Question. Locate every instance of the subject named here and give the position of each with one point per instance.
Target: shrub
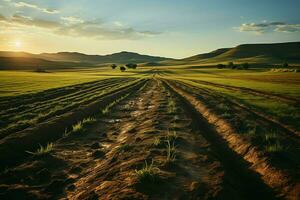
(285, 64)
(122, 69)
(131, 66)
(231, 65)
(113, 66)
(220, 66)
(245, 66)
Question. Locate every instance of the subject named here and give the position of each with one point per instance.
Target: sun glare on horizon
(18, 44)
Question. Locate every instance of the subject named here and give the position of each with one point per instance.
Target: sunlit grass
(171, 152)
(76, 128)
(42, 150)
(148, 173)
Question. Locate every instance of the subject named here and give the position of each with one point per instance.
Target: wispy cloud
(22, 4)
(264, 27)
(72, 20)
(75, 27)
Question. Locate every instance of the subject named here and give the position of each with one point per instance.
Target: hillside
(253, 53)
(28, 61)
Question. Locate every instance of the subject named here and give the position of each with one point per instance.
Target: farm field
(166, 132)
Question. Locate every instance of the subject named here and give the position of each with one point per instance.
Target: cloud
(264, 27)
(36, 7)
(288, 28)
(75, 27)
(72, 20)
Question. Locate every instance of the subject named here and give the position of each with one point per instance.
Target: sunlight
(18, 44)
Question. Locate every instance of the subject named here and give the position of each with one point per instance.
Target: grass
(171, 152)
(271, 136)
(42, 150)
(158, 142)
(274, 148)
(88, 120)
(13, 83)
(124, 147)
(226, 114)
(19, 82)
(284, 112)
(78, 127)
(172, 136)
(272, 142)
(171, 106)
(148, 173)
(106, 110)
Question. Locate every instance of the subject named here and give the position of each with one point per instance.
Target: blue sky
(173, 28)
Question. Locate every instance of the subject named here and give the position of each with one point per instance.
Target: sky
(170, 28)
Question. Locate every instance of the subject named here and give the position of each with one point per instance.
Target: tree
(113, 66)
(231, 65)
(221, 66)
(131, 66)
(245, 66)
(122, 69)
(285, 64)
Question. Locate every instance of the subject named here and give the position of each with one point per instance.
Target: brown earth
(209, 160)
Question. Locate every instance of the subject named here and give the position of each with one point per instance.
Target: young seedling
(43, 150)
(158, 142)
(172, 136)
(171, 106)
(88, 120)
(148, 173)
(123, 147)
(171, 152)
(77, 127)
(274, 148)
(269, 137)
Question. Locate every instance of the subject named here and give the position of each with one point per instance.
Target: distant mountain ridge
(121, 57)
(275, 53)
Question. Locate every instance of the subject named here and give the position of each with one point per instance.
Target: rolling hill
(252, 53)
(23, 60)
(276, 53)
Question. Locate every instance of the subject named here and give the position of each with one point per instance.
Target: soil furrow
(278, 179)
(252, 91)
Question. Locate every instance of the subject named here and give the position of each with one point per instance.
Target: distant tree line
(245, 66)
(123, 68)
(231, 65)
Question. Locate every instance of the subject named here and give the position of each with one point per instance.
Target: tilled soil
(103, 160)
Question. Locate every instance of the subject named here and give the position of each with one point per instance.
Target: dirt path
(154, 125)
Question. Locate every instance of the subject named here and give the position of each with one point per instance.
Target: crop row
(16, 121)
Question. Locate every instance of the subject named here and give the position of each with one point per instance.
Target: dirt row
(8, 102)
(35, 112)
(154, 127)
(231, 101)
(53, 129)
(278, 169)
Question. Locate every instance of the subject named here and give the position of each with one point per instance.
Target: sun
(18, 44)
